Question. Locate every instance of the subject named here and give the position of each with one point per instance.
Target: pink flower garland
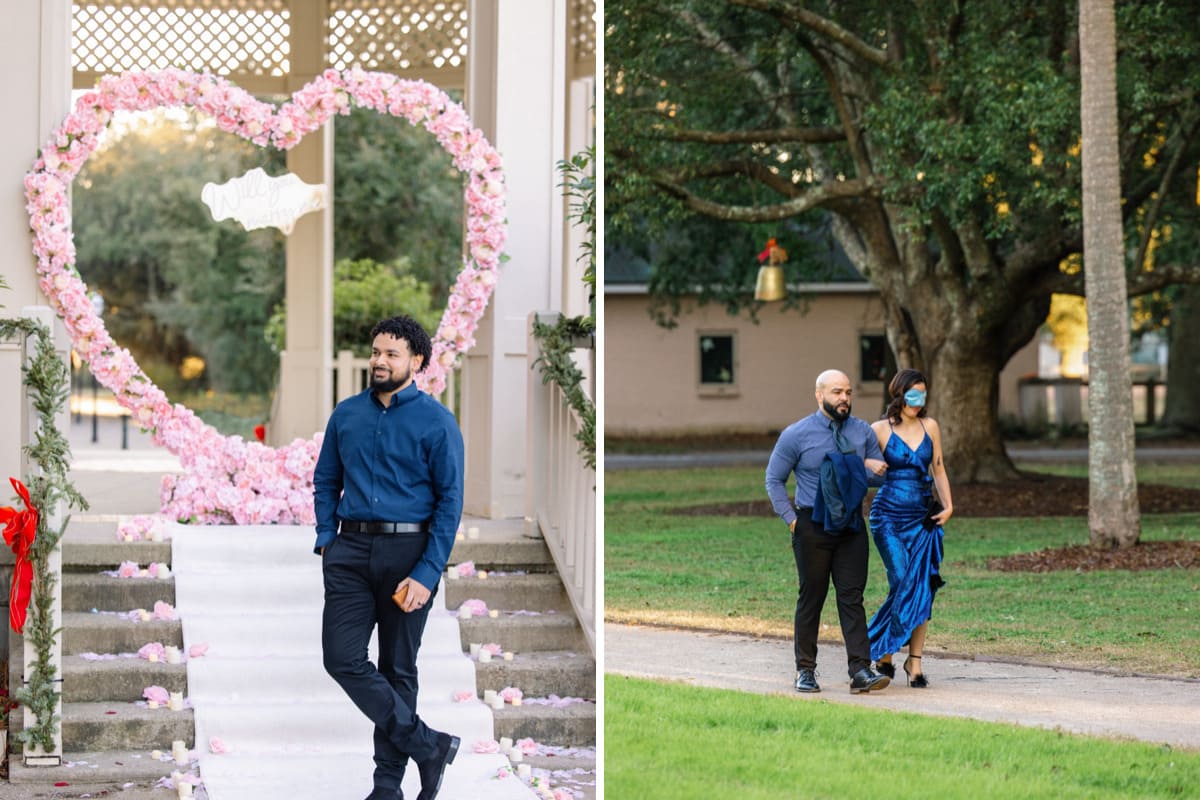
(226, 479)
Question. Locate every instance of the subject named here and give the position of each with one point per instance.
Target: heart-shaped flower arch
(227, 479)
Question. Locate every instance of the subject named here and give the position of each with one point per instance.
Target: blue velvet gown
(910, 551)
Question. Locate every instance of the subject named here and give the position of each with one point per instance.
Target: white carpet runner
(254, 596)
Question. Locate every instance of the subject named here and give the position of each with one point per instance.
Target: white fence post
(35, 755)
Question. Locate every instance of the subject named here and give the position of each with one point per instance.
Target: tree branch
(1137, 284)
(712, 40)
(822, 26)
(1151, 218)
(762, 136)
(736, 166)
(826, 195)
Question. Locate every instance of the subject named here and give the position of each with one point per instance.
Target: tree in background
(941, 142)
(398, 195)
(1113, 517)
(364, 292)
(176, 283)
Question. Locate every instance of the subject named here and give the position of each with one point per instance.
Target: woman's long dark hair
(905, 379)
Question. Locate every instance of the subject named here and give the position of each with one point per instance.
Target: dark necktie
(843, 444)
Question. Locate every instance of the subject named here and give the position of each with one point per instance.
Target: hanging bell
(770, 285)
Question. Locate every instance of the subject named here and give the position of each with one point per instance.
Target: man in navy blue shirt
(821, 554)
(388, 492)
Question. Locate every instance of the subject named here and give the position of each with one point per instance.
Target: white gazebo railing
(561, 487)
(351, 375)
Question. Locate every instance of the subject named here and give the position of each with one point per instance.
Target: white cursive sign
(259, 201)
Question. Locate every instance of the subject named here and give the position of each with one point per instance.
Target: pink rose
(217, 747)
(153, 647)
(128, 569)
(198, 650)
(476, 607)
(156, 693)
(165, 611)
(510, 693)
(464, 696)
(487, 746)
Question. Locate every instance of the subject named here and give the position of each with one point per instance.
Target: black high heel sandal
(886, 668)
(917, 681)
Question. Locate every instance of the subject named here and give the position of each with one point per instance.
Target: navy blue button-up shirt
(402, 463)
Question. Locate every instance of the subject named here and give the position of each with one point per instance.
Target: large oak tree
(941, 140)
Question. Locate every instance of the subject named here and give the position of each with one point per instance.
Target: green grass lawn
(738, 574)
(672, 742)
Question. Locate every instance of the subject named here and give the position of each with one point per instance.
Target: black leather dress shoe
(380, 793)
(806, 681)
(433, 769)
(866, 681)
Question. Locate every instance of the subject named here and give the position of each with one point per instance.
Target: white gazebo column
(305, 379)
(305, 391)
(35, 42)
(515, 95)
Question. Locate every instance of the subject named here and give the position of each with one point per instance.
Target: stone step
(97, 555)
(528, 592)
(85, 632)
(574, 770)
(508, 552)
(100, 774)
(92, 727)
(573, 725)
(541, 674)
(85, 591)
(524, 633)
(121, 679)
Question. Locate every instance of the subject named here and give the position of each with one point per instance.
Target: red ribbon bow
(20, 529)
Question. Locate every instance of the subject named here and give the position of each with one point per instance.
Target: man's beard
(833, 411)
(388, 385)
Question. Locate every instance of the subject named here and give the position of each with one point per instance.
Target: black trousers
(361, 572)
(820, 556)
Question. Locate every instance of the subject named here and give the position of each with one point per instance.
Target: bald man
(823, 554)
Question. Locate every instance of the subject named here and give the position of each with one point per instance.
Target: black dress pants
(820, 556)
(361, 573)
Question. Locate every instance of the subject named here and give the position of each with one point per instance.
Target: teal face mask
(914, 398)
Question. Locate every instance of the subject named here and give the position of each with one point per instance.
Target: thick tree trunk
(964, 395)
(1183, 365)
(1113, 518)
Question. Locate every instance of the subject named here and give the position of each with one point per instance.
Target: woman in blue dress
(910, 546)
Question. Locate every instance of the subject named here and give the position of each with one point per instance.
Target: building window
(873, 357)
(716, 361)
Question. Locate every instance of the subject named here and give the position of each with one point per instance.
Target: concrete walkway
(1156, 710)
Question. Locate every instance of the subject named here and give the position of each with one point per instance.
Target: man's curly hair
(408, 329)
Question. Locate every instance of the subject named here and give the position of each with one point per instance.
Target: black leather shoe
(380, 793)
(866, 681)
(806, 681)
(433, 769)
(885, 668)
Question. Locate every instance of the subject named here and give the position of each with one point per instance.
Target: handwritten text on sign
(257, 200)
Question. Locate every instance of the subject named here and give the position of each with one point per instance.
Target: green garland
(556, 343)
(47, 379)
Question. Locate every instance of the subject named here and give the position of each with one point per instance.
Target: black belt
(353, 526)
